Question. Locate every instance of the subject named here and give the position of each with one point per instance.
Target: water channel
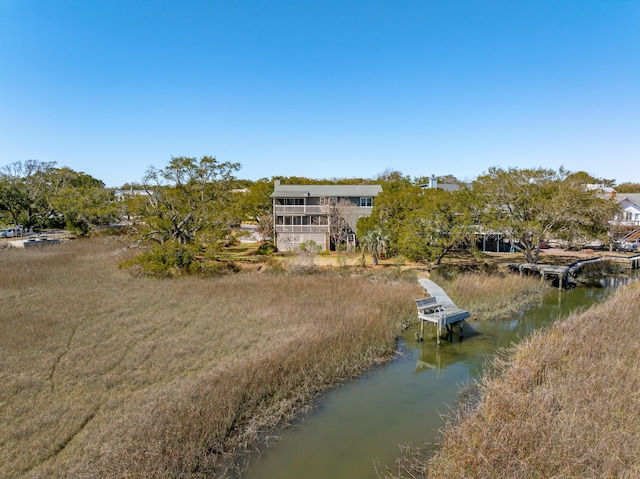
(357, 429)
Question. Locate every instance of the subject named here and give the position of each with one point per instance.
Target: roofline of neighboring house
(635, 200)
(442, 186)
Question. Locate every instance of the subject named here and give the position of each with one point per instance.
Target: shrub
(165, 259)
(266, 249)
(212, 268)
(306, 254)
(173, 259)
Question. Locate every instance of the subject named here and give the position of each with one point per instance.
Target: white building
(630, 204)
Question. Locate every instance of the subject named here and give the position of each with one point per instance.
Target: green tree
(36, 193)
(82, 208)
(374, 241)
(587, 214)
(584, 178)
(13, 201)
(444, 222)
(532, 205)
(79, 201)
(628, 187)
(256, 206)
(189, 201)
(391, 209)
(132, 202)
(27, 191)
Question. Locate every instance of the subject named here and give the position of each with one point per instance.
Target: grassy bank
(564, 403)
(108, 375)
(492, 296)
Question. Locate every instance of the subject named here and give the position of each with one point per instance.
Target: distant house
(630, 204)
(604, 191)
(433, 184)
(326, 214)
(123, 195)
(126, 197)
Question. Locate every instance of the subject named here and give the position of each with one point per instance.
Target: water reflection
(430, 360)
(614, 282)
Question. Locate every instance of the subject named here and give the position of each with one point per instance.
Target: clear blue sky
(324, 88)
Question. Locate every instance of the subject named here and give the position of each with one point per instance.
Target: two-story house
(326, 214)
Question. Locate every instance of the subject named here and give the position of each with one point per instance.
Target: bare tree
(342, 220)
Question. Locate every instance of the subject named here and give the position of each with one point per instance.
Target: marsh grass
(564, 403)
(492, 296)
(109, 375)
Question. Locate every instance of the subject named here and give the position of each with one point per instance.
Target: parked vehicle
(627, 246)
(11, 232)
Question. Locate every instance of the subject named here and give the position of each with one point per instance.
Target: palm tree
(375, 242)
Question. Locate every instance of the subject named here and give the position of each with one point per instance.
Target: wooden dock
(439, 310)
(632, 262)
(562, 273)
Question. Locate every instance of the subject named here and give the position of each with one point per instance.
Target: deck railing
(301, 209)
(302, 228)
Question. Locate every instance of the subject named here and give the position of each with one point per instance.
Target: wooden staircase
(633, 236)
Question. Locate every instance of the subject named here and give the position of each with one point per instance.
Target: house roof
(443, 186)
(340, 191)
(633, 197)
(448, 186)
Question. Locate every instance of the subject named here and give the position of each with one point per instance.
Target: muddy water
(357, 429)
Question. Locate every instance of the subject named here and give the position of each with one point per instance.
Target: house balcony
(301, 209)
(302, 229)
(634, 223)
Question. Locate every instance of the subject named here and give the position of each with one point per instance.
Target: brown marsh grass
(564, 403)
(492, 296)
(107, 375)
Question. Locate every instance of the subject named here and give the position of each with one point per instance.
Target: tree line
(528, 206)
(198, 204)
(37, 194)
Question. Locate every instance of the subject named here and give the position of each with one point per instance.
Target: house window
(366, 201)
(294, 201)
(292, 220)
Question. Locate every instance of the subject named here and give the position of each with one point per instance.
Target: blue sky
(322, 89)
